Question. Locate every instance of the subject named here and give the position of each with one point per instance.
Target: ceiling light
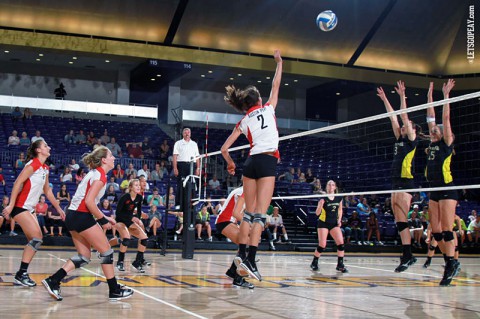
(107, 61)
(38, 59)
(286, 84)
(231, 79)
(203, 75)
(416, 94)
(6, 51)
(40, 54)
(259, 81)
(268, 78)
(70, 62)
(338, 93)
(392, 91)
(159, 75)
(209, 71)
(74, 58)
(239, 74)
(152, 79)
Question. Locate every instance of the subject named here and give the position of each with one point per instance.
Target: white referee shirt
(260, 127)
(185, 150)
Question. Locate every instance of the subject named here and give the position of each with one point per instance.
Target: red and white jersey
(226, 212)
(78, 200)
(260, 127)
(33, 186)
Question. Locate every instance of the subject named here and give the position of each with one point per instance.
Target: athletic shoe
(380, 243)
(427, 263)
(405, 263)
(314, 265)
(24, 280)
(231, 273)
(138, 266)
(240, 282)
(52, 288)
(359, 243)
(341, 268)
(457, 267)
(448, 273)
(122, 292)
(251, 268)
(120, 266)
(12, 233)
(210, 239)
(272, 247)
(146, 263)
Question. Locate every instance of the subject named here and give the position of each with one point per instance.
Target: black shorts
(17, 210)
(447, 194)
(327, 225)
(79, 221)
(403, 183)
(221, 226)
(127, 222)
(260, 165)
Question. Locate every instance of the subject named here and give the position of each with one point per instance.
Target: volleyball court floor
(197, 288)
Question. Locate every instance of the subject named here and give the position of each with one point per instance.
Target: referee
(184, 151)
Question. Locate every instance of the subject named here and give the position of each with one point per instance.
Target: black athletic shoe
(251, 268)
(314, 265)
(457, 267)
(146, 263)
(341, 268)
(137, 264)
(122, 292)
(24, 280)
(405, 263)
(448, 273)
(120, 266)
(52, 288)
(231, 273)
(427, 263)
(240, 282)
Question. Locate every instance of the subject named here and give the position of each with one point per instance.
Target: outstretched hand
(277, 56)
(447, 87)
(381, 93)
(400, 88)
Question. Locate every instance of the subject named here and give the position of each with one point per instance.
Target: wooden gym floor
(197, 288)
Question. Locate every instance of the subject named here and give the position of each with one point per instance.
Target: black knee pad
(431, 247)
(125, 242)
(448, 236)
(106, 257)
(35, 243)
(143, 242)
(79, 261)
(401, 226)
(438, 236)
(320, 249)
(341, 247)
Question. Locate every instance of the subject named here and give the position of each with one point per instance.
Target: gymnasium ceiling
(374, 41)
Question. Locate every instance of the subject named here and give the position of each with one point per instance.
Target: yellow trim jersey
(438, 171)
(330, 208)
(403, 158)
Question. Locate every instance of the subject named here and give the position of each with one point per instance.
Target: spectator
(425, 214)
(276, 225)
(66, 176)
(158, 173)
(416, 228)
(97, 144)
(309, 178)
(474, 231)
(414, 209)
(24, 140)
(387, 207)
(214, 183)
(218, 208)
(41, 212)
(356, 226)
(14, 139)
(460, 229)
(111, 194)
(267, 233)
(134, 150)
(146, 148)
(145, 171)
(105, 138)
(164, 149)
(154, 220)
(373, 227)
(131, 170)
(79, 175)
(115, 185)
(363, 207)
(317, 186)
(114, 148)
(107, 210)
(20, 162)
(73, 165)
(155, 199)
(8, 219)
(80, 138)
(70, 137)
(36, 137)
(118, 172)
(170, 203)
(178, 223)
(16, 114)
(288, 176)
(125, 183)
(63, 196)
(27, 114)
(202, 222)
(91, 139)
(55, 220)
(302, 178)
(472, 216)
(60, 92)
(2, 181)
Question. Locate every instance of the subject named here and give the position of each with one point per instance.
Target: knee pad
(248, 217)
(79, 261)
(447, 235)
(259, 219)
(341, 247)
(320, 249)
(438, 236)
(35, 243)
(106, 257)
(143, 242)
(401, 226)
(125, 242)
(431, 247)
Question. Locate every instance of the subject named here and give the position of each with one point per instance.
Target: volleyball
(327, 20)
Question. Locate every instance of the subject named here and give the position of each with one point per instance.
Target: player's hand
(277, 56)
(175, 171)
(381, 93)
(62, 214)
(231, 168)
(6, 211)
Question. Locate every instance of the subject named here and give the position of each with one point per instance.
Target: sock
(233, 267)
(340, 261)
(112, 284)
(274, 236)
(315, 259)
(139, 256)
(407, 251)
(242, 251)
(121, 257)
(252, 253)
(23, 268)
(445, 258)
(429, 259)
(286, 236)
(59, 275)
